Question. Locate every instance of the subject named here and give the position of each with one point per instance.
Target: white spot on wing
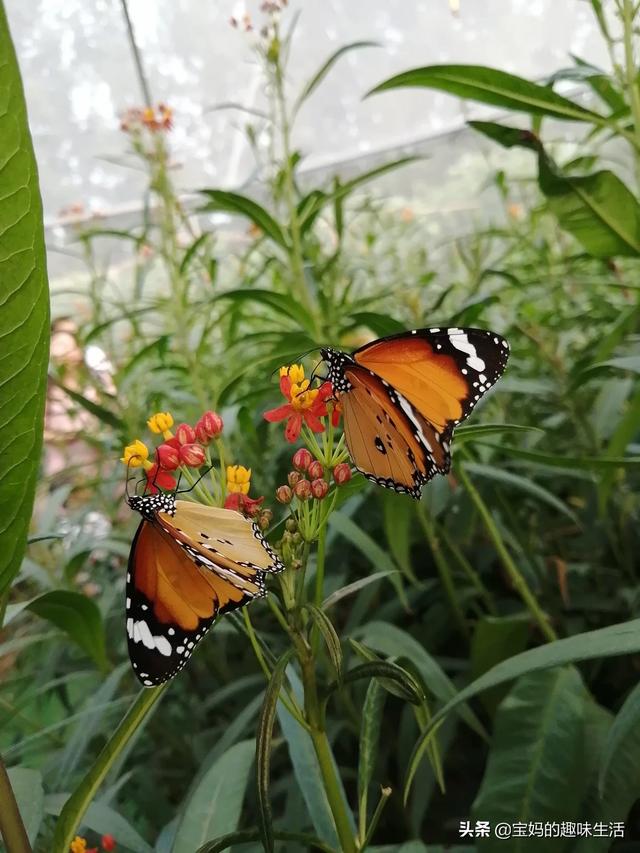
(461, 342)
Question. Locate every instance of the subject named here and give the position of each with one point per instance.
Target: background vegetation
(503, 604)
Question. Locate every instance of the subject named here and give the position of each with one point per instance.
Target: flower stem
(516, 577)
(11, 825)
(631, 75)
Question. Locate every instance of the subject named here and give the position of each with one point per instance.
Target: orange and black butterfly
(402, 396)
(188, 564)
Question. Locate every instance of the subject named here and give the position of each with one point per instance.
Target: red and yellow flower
(304, 404)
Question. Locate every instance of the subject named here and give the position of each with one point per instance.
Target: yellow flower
(136, 455)
(295, 372)
(78, 845)
(301, 398)
(161, 422)
(238, 479)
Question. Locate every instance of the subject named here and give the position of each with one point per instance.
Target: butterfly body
(188, 564)
(403, 395)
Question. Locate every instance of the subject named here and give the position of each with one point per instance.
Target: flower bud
(293, 478)
(302, 459)
(185, 434)
(316, 470)
(342, 473)
(291, 525)
(319, 488)
(284, 495)
(160, 422)
(209, 426)
(264, 519)
(192, 455)
(108, 843)
(302, 490)
(296, 565)
(168, 457)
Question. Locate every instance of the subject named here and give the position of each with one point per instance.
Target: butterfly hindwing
(176, 588)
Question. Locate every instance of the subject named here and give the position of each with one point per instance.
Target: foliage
(471, 656)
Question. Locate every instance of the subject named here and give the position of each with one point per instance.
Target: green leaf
(312, 84)
(535, 767)
(78, 616)
(625, 727)
(243, 206)
(354, 587)
(216, 803)
(24, 316)
(394, 642)
(370, 725)
(523, 484)
(406, 685)
(245, 836)
(331, 639)
(624, 433)
(29, 793)
(263, 749)
(481, 430)
(95, 409)
(597, 209)
(277, 302)
(584, 463)
(620, 639)
(76, 806)
(495, 638)
(102, 819)
(490, 86)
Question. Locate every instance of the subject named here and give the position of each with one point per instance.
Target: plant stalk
(631, 75)
(516, 577)
(12, 827)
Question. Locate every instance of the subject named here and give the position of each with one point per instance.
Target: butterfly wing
(441, 372)
(388, 441)
(172, 602)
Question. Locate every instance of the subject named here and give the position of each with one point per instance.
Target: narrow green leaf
(383, 670)
(624, 433)
(624, 725)
(495, 638)
(74, 810)
(78, 616)
(24, 316)
(95, 409)
(102, 819)
(331, 639)
(371, 722)
(246, 836)
(216, 803)
(523, 484)
(535, 770)
(29, 793)
(396, 643)
(352, 588)
(312, 84)
(263, 749)
(243, 206)
(620, 639)
(584, 463)
(491, 86)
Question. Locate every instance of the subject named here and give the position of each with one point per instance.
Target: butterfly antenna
(301, 356)
(191, 488)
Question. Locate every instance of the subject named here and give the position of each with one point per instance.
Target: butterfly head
(149, 505)
(336, 361)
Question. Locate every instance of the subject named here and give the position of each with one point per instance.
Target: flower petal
(294, 425)
(279, 414)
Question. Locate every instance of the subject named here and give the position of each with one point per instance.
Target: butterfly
(188, 564)
(403, 395)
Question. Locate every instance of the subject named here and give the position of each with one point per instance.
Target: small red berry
(319, 489)
(284, 495)
(342, 473)
(192, 455)
(302, 490)
(108, 843)
(185, 434)
(302, 458)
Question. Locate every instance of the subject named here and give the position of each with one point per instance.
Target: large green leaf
(620, 639)
(534, 771)
(495, 638)
(76, 614)
(598, 209)
(490, 86)
(24, 316)
(27, 789)
(215, 805)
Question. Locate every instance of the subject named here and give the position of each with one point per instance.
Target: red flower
(243, 504)
(305, 405)
(209, 426)
(168, 457)
(192, 455)
(108, 843)
(185, 434)
(335, 408)
(158, 477)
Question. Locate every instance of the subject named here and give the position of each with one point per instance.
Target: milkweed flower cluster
(305, 405)
(155, 119)
(238, 485)
(186, 448)
(79, 845)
